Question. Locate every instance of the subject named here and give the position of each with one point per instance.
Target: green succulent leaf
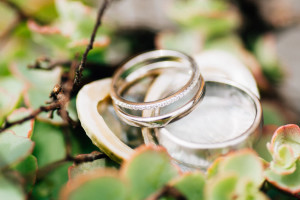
(74, 15)
(148, 170)
(49, 143)
(243, 168)
(25, 129)
(8, 20)
(13, 148)
(51, 37)
(285, 162)
(248, 190)
(285, 148)
(265, 52)
(191, 185)
(261, 145)
(42, 10)
(289, 182)
(11, 90)
(85, 167)
(272, 114)
(230, 186)
(183, 41)
(71, 31)
(40, 84)
(214, 17)
(51, 182)
(214, 168)
(101, 184)
(10, 190)
(286, 135)
(28, 169)
(245, 164)
(221, 187)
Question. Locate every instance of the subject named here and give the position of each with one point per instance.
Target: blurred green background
(263, 34)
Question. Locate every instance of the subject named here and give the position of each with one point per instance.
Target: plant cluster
(46, 58)
(149, 174)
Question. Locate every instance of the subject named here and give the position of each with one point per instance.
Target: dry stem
(167, 191)
(90, 45)
(61, 94)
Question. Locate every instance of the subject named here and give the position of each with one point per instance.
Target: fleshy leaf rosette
(238, 175)
(147, 171)
(285, 149)
(284, 170)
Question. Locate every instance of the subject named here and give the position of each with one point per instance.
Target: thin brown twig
(32, 115)
(95, 155)
(68, 145)
(61, 98)
(50, 64)
(65, 94)
(90, 45)
(167, 191)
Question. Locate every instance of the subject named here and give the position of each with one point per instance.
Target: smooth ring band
(144, 65)
(191, 154)
(147, 63)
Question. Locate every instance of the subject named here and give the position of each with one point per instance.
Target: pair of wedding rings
(171, 97)
(163, 94)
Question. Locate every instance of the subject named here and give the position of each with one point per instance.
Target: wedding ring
(156, 62)
(228, 118)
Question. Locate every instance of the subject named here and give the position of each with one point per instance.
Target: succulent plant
(44, 157)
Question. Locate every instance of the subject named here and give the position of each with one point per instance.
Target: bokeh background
(263, 34)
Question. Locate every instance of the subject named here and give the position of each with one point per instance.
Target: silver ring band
(162, 120)
(184, 151)
(150, 62)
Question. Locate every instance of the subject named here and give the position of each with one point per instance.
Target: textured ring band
(141, 66)
(144, 65)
